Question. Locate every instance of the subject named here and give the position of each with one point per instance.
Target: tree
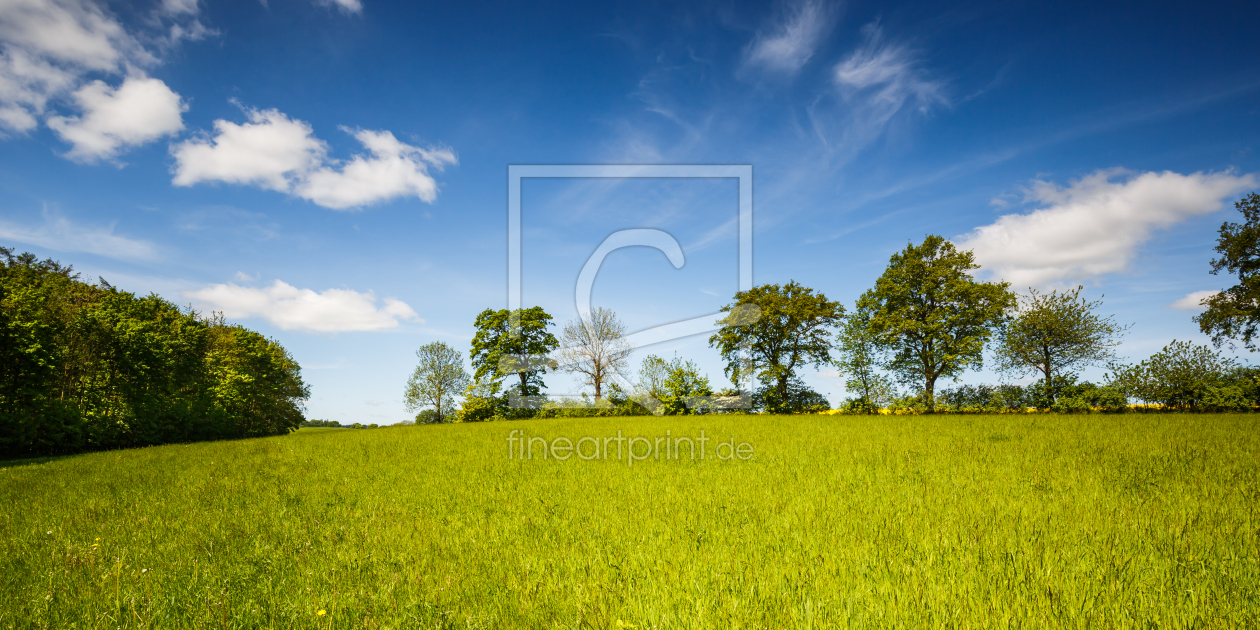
(686, 391)
(858, 359)
(930, 316)
(595, 346)
(1235, 312)
(439, 376)
(1183, 375)
(511, 343)
(1055, 333)
(653, 373)
(772, 330)
(800, 398)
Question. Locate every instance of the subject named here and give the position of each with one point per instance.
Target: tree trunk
(930, 389)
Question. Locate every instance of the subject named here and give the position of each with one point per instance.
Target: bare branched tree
(595, 346)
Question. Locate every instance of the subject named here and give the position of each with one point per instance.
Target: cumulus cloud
(792, 41)
(139, 111)
(60, 234)
(275, 152)
(1192, 300)
(269, 151)
(291, 308)
(1095, 225)
(48, 48)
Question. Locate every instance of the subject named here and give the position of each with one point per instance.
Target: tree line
(926, 320)
(87, 367)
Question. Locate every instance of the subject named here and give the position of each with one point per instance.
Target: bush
(1226, 398)
(1182, 374)
(1070, 404)
(800, 399)
(428, 416)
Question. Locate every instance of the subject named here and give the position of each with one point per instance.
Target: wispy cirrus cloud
(58, 233)
(792, 40)
(876, 84)
(275, 152)
(1095, 225)
(291, 308)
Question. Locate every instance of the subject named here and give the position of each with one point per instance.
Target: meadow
(833, 521)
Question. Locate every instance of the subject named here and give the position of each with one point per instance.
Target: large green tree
(1234, 313)
(1054, 333)
(930, 315)
(772, 330)
(513, 343)
(438, 377)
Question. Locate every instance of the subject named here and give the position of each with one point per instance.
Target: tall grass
(967, 521)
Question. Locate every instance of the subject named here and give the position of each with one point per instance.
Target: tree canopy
(513, 343)
(1056, 332)
(930, 315)
(1234, 313)
(437, 379)
(87, 366)
(771, 331)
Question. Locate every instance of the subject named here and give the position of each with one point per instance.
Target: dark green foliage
(799, 399)
(513, 344)
(1234, 313)
(89, 367)
(428, 416)
(771, 331)
(1086, 397)
(322, 424)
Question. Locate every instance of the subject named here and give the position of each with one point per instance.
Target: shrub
(1226, 398)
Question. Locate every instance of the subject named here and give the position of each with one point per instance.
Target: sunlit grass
(1012, 520)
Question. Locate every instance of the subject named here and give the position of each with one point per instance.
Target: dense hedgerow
(89, 367)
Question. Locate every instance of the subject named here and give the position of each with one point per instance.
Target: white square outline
(664, 332)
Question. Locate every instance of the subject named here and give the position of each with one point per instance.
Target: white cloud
(1094, 225)
(888, 75)
(139, 111)
(58, 233)
(268, 151)
(792, 42)
(177, 7)
(349, 6)
(876, 84)
(394, 170)
(275, 152)
(291, 308)
(1191, 301)
(49, 47)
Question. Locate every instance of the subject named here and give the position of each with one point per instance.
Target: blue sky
(334, 173)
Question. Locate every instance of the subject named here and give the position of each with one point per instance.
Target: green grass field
(968, 521)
